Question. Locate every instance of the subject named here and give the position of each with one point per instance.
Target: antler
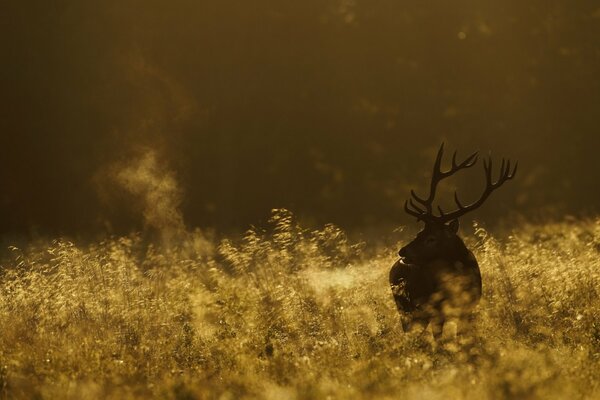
(490, 186)
(424, 209)
(426, 214)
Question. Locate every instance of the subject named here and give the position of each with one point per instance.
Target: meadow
(287, 312)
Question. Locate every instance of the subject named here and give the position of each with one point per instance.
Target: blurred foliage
(331, 108)
(291, 313)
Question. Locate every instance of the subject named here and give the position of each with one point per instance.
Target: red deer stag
(437, 276)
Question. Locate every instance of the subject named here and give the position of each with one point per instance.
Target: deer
(437, 278)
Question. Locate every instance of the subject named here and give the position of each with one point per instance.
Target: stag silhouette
(437, 277)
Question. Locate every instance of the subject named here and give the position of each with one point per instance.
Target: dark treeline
(332, 108)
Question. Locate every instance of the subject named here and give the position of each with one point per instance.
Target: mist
(332, 109)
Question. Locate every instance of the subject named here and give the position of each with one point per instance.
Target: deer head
(439, 238)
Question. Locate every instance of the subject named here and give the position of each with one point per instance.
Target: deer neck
(458, 253)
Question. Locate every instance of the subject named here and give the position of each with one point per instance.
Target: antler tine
(512, 175)
(487, 166)
(416, 207)
(409, 211)
(437, 166)
(416, 211)
(420, 200)
(472, 159)
(424, 211)
(436, 176)
(458, 203)
(468, 162)
(505, 174)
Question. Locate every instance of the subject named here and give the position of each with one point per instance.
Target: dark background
(332, 108)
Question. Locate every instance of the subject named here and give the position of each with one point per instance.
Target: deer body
(437, 276)
(445, 284)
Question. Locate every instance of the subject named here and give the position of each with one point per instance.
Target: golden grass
(293, 314)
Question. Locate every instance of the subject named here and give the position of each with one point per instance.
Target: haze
(332, 109)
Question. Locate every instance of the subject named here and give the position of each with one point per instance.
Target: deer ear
(453, 225)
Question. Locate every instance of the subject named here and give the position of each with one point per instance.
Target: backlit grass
(292, 313)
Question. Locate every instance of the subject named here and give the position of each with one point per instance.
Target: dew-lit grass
(292, 313)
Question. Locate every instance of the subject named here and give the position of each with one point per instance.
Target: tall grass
(292, 313)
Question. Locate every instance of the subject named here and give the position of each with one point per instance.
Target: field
(294, 313)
